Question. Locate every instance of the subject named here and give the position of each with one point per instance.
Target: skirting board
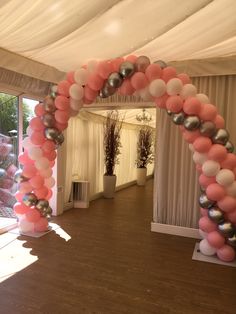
(175, 230)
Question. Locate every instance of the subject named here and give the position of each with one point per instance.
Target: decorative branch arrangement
(112, 143)
(145, 154)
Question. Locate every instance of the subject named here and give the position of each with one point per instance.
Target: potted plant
(145, 154)
(112, 145)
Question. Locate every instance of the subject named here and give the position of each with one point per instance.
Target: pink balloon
(192, 106)
(52, 163)
(229, 162)
(49, 195)
(29, 171)
(217, 152)
(202, 144)
(63, 88)
(25, 187)
(36, 124)
(168, 73)
(24, 159)
(126, 88)
(215, 239)
(48, 146)
(39, 110)
(153, 71)
(61, 126)
(89, 93)
(208, 112)
(226, 253)
(204, 181)
(20, 208)
(41, 225)
(227, 204)
(19, 197)
(231, 216)
(191, 136)
(70, 77)
(184, 78)
(139, 80)
(37, 138)
(116, 63)
(131, 58)
(215, 192)
(204, 211)
(174, 104)
(104, 69)
(62, 103)
(62, 116)
(32, 215)
(95, 82)
(41, 193)
(50, 155)
(219, 122)
(161, 101)
(37, 181)
(46, 173)
(87, 101)
(207, 225)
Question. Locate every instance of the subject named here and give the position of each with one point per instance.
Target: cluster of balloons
(198, 119)
(7, 171)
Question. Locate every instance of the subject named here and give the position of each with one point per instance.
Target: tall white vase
(109, 186)
(141, 176)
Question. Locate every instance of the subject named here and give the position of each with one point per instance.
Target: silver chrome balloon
(49, 105)
(18, 177)
(178, 118)
(142, 63)
(42, 204)
(192, 123)
(207, 128)
(59, 139)
(29, 199)
(226, 228)
(220, 137)
(216, 215)
(161, 63)
(126, 69)
(107, 91)
(232, 240)
(48, 120)
(51, 133)
(3, 174)
(205, 202)
(115, 80)
(229, 146)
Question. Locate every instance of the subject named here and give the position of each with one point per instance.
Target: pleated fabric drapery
(176, 180)
(85, 156)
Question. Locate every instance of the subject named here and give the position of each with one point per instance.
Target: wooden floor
(113, 264)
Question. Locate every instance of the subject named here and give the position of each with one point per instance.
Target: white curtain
(176, 188)
(85, 157)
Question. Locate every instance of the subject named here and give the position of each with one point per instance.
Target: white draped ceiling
(65, 34)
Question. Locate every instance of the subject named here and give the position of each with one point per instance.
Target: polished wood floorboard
(113, 264)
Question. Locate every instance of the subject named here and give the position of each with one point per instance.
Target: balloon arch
(201, 125)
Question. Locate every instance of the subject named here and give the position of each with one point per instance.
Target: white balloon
(191, 148)
(210, 168)
(188, 90)
(225, 177)
(92, 66)
(25, 226)
(76, 104)
(203, 98)
(81, 76)
(76, 91)
(199, 158)
(29, 131)
(35, 153)
(157, 88)
(26, 143)
(145, 95)
(54, 88)
(49, 182)
(231, 189)
(46, 173)
(206, 248)
(174, 86)
(42, 163)
(202, 233)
